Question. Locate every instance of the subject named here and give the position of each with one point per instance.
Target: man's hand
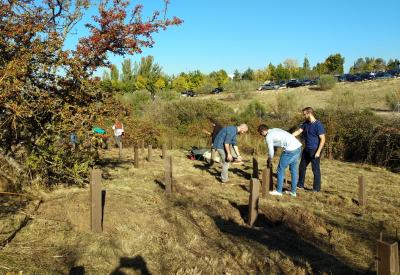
(269, 163)
(239, 158)
(229, 157)
(317, 155)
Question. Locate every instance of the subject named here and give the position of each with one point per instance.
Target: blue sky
(240, 34)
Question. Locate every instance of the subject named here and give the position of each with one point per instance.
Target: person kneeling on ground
(224, 139)
(276, 137)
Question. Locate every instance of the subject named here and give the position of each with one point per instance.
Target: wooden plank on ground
(362, 192)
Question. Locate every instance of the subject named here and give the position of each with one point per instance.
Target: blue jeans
(307, 157)
(291, 159)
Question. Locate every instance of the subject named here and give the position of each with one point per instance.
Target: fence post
(149, 152)
(164, 149)
(137, 161)
(168, 175)
(387, 262)
(253, 201)
(362, 193)
(95, 201)
(255, 165)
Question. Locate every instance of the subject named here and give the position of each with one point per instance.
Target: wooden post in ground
(387, 262)
(164, 150)
(362, 192)
(264, 182)
(137, 161)
(253, 201)
(95, 201)
(149, 152)
(142, 147)
(255, 165)
(120, 148)
(168, 175)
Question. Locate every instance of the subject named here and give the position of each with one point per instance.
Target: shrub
(342, 101)
(393, 99)
(287, 105)
(326, 82)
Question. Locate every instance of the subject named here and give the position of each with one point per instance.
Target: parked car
(367, 76)
(217, 90)
(188, 93)
(269, 86)
(353, 78)
(282, 84)
(293, 83)
(383, 75)
(306, 82)
(314, 81)
(394, 72)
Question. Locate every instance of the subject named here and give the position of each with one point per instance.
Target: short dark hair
(308, 110)
(262, 128)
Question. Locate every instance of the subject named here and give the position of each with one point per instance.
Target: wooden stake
(253, 201)
(265, 182)
(164, 149)
(255, 167)
(137, 161)
(168, 175)
(387, 258)
(149, 153)
(95, 200)
(362, 193)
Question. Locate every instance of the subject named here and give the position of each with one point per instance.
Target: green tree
(320, 69)
(219, 78)
(306, 67)
(282, 73)
(379, 64)
(248, 74)
(114, 74)
(236, 75)
(147, 73)
(334, 64)
(195, 79)
(180, 83)
(127, 73)
(393, 64)
(271, 71)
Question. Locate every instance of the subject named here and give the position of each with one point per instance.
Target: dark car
(217, 90)
(293, 83)
(314, 81)
(269, 86)
(353, 78)
(383, 75)
(306, 82)
(394, 72)
(282, 84)
(367, 76)
(188, 93)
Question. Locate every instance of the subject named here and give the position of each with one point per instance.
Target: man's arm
(321, 145)
(228, 152)
(239, 157)
(297, 132)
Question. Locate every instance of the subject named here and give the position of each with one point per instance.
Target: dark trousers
(306, 157)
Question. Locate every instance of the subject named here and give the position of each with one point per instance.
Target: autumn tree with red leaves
(47, 92)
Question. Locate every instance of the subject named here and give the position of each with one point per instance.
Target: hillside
(201, 228)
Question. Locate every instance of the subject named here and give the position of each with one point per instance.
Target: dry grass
(369, 94)
(201, 228)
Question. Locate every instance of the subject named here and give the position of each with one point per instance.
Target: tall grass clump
(326, 82)
(393, 99)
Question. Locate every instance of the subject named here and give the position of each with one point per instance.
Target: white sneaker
(291, 193)
(275, 193)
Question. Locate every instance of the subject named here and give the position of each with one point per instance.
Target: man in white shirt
(276, 137)
(118, 128)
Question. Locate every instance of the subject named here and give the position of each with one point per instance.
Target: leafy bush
(393, 99)
(326, 82)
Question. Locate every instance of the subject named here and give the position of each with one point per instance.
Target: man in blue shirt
(276, 137)
(314, 136)
(222, 142)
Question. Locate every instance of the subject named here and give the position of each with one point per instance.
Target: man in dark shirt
(314, 136)
(222, 142)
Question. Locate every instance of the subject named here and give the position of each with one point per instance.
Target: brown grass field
(369, 94)
(201, 228)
